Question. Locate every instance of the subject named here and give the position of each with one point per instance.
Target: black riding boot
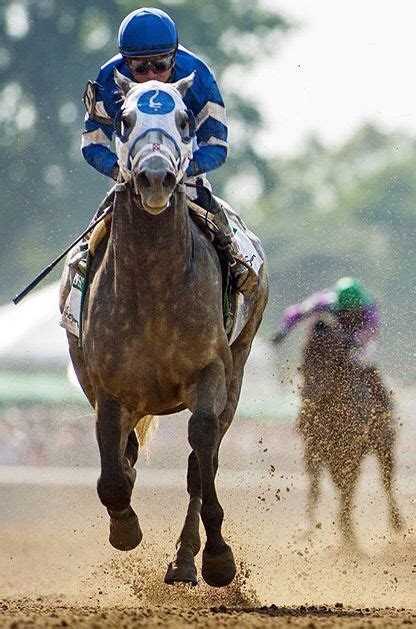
(224, 240)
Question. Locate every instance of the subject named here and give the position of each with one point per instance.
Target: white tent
(30, 335)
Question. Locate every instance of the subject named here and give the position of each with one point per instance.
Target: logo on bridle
(156, 102)
(153, 103)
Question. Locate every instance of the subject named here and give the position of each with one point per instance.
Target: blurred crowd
(44, 435)
(35, 435)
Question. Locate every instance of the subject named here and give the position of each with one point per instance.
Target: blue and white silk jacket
(203, 99)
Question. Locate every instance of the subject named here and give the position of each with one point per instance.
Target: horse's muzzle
(155, 183)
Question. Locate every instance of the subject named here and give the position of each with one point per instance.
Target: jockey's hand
(278, 337)
(114, 172)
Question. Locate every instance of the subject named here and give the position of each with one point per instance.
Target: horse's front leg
(117, 477)
(182, 568)
(313, 466)
(218, 565)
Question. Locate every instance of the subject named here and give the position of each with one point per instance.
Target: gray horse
(153, 332)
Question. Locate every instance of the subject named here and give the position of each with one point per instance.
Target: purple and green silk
(324, 301)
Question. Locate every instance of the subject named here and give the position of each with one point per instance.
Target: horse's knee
(314, 487)
(114, 493)
(203, 430)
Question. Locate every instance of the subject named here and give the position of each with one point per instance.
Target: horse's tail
(145, 428)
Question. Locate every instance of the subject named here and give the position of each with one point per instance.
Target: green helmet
(350, 295)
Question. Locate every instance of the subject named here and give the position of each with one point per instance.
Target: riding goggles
(158, 65)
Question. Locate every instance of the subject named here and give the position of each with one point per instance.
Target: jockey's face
(146, 69)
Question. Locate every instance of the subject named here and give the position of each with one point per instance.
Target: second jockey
(359, 317)
(149, 50)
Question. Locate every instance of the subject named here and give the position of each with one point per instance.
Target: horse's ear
(123, 82)
(184, 84)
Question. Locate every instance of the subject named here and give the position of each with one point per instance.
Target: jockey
(359, 317)
(149, 50)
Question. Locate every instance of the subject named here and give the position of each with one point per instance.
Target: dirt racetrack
(58, 569)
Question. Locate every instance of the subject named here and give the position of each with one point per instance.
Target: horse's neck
(320, 370)
(327, 376)
(151, 248)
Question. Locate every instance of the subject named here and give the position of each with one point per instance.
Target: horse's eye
(182, 121)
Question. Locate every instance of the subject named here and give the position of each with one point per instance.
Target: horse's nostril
(156, 178)
(170, 180)
(143, 180)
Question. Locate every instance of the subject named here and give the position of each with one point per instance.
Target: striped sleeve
(211, 133)
(96, 139)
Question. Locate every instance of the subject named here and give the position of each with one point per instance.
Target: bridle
(142, 150)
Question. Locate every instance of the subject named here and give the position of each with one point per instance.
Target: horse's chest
(153, 339)
(148, 355)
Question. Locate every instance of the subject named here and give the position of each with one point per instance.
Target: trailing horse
(341, 421)
(153, 338)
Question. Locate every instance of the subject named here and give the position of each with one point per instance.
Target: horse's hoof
(125, 533)
(185, 573)
(218, 570)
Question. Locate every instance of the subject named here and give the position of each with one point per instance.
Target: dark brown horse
(153, 333)
(341, 421)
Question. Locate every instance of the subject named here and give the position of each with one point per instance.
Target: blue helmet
(147, 32)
